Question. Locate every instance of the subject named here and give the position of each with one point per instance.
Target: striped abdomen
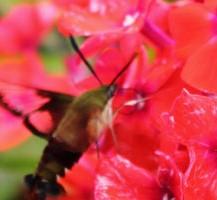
(54, 160)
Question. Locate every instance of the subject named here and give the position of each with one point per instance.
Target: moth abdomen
(55, 159)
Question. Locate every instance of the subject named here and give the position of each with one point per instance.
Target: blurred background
(23, 159)
(16, 163)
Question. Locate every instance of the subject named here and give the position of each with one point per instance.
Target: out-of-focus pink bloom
(28, 70)
(66, 3)
(25, 71)
(24, 27)
(11, 134)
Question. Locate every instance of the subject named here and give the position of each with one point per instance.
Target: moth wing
(40, 109)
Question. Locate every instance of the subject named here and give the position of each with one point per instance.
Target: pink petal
(200, 180)
(199, 23)
(200, 71)
(27, 70)
(118, 178)
(103, 17)
(79, 181)
(12, 132)
(193, 118)
(25, 26)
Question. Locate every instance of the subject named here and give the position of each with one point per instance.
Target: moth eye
(111, 91)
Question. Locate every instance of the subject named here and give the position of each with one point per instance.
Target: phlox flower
(103, 17)
(25, 26)
(22, 31)
(196, 43)
(161, 142)
(15, 74)
(192, 121)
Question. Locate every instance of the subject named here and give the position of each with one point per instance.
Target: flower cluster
(165, 148)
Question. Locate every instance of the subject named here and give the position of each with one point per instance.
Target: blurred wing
(41, 110)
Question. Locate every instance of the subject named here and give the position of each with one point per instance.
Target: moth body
(80, 126)
(74, 129)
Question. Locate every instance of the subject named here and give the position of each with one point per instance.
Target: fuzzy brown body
(73, 130)
(77, 129)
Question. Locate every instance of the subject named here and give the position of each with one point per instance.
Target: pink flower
(26, 70)
(103, 17)
(192, 121)
(196, 43)
(165, 106)
(200, 179)
(25, 26)
(189, 117)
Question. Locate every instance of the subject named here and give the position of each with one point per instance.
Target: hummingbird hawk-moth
(78, 123)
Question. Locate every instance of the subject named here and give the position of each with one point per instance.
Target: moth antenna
(81, 55)
(122, 70)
